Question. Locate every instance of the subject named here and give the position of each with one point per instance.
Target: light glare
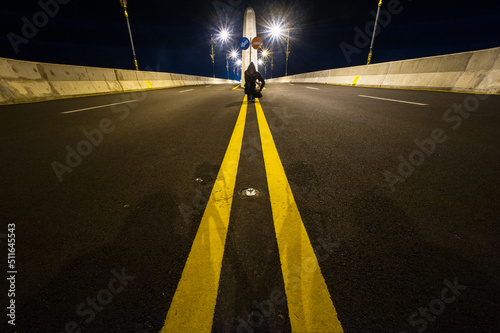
(224, 35)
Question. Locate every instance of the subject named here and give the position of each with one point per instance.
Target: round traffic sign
(244, 43)
(257, 43)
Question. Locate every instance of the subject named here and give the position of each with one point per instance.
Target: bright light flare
(223, 35)
(265, 53)
(238, 62)
(276, 29)
(234, 54)
(260, 62)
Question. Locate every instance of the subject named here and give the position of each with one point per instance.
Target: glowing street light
(265, 54)
(277, 30)
(234, 55)
(124, 5)
(223, 35)
(231, 55)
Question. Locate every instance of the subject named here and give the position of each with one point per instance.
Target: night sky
(174, 36)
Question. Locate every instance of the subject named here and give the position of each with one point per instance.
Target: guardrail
(25, 81)
(476, 71)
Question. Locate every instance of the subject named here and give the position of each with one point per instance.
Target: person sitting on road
(254, 83)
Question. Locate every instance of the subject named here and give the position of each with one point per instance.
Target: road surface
(372, 210)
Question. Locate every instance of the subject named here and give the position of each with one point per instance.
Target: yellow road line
(309, 303)
(193, 304)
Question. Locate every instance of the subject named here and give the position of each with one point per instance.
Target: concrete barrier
(104, 80)
(476, 71)
(25, 81)
(18, 80)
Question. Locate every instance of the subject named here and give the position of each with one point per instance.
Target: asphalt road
(399, 201)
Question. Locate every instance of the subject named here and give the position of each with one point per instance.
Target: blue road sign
(244, 43)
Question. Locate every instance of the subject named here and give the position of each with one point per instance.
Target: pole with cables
(272, 66)
(124, 5)
(212, 55)
(287, 50)
(374, 34)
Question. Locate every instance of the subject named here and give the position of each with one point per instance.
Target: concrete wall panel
(476, 71)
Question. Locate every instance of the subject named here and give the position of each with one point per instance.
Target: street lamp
(287, 50)
(124, 5)
(265, 54)
(261, 62)
(223, 36)
(374, 33)
(272, 66)
(212, 54)
(233, 55)
(277, 30)
(238, 66)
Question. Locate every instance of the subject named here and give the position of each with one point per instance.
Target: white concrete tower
(249, 31)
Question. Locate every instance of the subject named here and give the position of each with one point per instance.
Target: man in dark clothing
(254, 83)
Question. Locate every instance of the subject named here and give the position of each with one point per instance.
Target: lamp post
(272, 66)
(238, 66)
(261, 62)
(124, 5)
(233, 55)
(287, 50)
(222, 35)
(265, 54)
(212, 54)
(277, 30)
(374, 33)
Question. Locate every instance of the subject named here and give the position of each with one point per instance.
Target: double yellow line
(309, 303)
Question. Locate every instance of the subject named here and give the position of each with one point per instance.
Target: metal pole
(272, 66)
(212, 55)
(124, 5)
(251, 39)
(287, 51)
(374, 33)
(227, 66)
